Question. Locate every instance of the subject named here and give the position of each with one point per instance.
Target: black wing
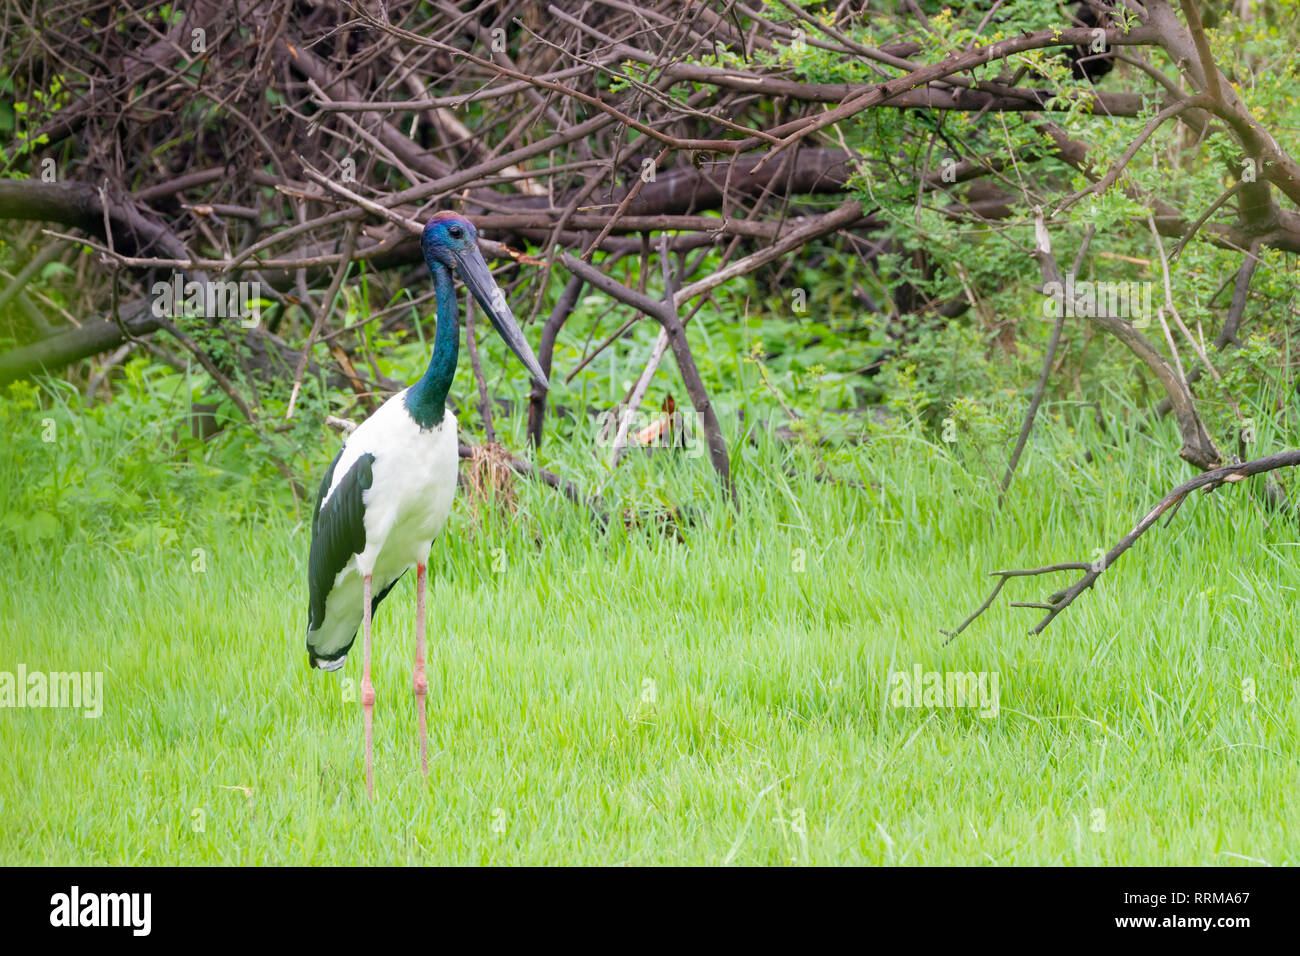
(374, 601)
(338, 531)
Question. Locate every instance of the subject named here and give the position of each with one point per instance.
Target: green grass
(624, 698)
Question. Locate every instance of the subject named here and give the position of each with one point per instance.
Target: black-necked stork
(389, 490)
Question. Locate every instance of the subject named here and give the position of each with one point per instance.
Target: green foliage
(17, 125)
(628, 697)
(934, 365)
(160, 536)
(127, 474)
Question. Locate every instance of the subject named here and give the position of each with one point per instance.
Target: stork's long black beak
(478, 279)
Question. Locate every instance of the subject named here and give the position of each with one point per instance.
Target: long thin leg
(367, 689)
(419, 680)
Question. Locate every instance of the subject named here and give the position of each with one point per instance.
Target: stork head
(450, 241)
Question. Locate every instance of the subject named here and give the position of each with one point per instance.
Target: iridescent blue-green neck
(426, 400)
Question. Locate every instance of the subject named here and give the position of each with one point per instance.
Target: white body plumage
(406, 507)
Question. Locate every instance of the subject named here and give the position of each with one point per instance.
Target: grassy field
(629, 698)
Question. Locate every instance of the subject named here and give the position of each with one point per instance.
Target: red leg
(367, 689)
(419, 680)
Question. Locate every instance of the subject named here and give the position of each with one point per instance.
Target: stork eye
(455, 232)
